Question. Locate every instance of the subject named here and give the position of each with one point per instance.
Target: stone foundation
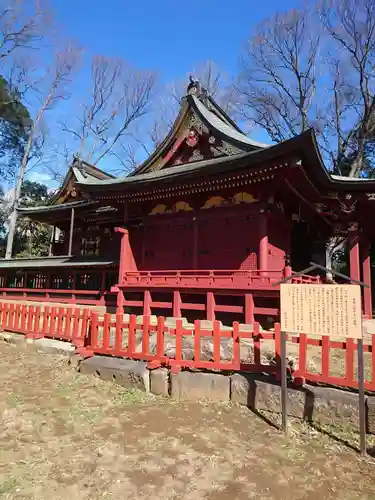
(257, 392)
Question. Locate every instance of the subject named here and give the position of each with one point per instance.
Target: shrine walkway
(65, 435)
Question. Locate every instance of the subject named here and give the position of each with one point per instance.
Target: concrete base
(12, 338)
(126, 372)
(52, 346)
(159, 381)
(316, 404)
(188, 386)
(325, 405)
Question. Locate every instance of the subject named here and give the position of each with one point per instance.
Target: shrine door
(227, 241)
(168, 245)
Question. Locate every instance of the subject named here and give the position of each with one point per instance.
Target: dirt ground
(68, 436)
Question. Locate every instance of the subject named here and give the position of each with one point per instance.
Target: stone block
(265, 395)
(207, 324)
(153, 320)
(371, 415)
(75, 360)
(171, 322)
(331, 406)
(316, 404)
(188, 386)
(126, 372)
(52, 346)
(159, 381)
(13, 338)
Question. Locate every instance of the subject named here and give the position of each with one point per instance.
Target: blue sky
(169, 37)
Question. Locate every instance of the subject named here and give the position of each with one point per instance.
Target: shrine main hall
(206, 227)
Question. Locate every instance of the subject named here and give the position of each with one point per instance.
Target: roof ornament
(195, 88)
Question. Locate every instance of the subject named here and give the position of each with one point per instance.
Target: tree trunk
(16, 202)
(333, 245)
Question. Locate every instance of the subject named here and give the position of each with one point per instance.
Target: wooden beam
(354, 256)
(71, 232)
(366, 278)
(263, 244)
(52, 242)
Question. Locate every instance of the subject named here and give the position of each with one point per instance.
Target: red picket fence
(51, 322)
(162, 345)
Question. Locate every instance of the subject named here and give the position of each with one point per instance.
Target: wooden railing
(214, 278)
(318, 360)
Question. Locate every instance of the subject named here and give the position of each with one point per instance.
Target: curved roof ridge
(223, 127)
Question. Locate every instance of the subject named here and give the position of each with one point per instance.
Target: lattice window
(90, 246)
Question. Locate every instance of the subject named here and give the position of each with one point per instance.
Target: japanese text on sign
(333, 310)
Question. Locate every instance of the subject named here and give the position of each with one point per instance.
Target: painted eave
(55, 208)
(60, 261)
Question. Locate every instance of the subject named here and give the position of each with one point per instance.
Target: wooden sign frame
(333, 310)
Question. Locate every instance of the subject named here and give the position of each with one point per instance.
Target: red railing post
(216, 342)
(197, 341)
(94, 331)
(17, 323)
(256, 339)
(37, 329)
(160, 338)
(350, 352)
(77, 338)
(278, 351)
(106, 332)
(325, 356)
(118, 335)
(146, 335)
(179, 332)
(302, 360)
(131, 334)
(236, 346)
(53, 321)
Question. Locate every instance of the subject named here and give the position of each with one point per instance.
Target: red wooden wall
(217, 238)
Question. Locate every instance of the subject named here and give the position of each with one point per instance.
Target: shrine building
(204, 228)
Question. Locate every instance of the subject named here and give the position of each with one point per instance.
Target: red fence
(195, 347)
(50, 322)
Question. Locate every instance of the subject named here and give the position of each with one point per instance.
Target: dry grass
(67, 436)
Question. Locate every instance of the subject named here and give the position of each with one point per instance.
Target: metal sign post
(335, 310)
(284, 384)
(362, 400)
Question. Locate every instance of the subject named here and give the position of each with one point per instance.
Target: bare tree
(278, 76)
(218, 85)
(167, 105)
(21, 25)
(350, 25)
(120, 97)
(296, 75)
(54, 83)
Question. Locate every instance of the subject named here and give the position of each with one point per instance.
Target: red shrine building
(204, 228)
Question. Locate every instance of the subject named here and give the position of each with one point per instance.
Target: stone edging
(317, 404)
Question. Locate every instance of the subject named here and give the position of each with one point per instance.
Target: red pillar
(195, 244)
(354, 256)
(176, 304)
(263, 243)
(126, 263)
(147, 303)
(249, 308)
(366, 278)
(210, 308)
(120, 302)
